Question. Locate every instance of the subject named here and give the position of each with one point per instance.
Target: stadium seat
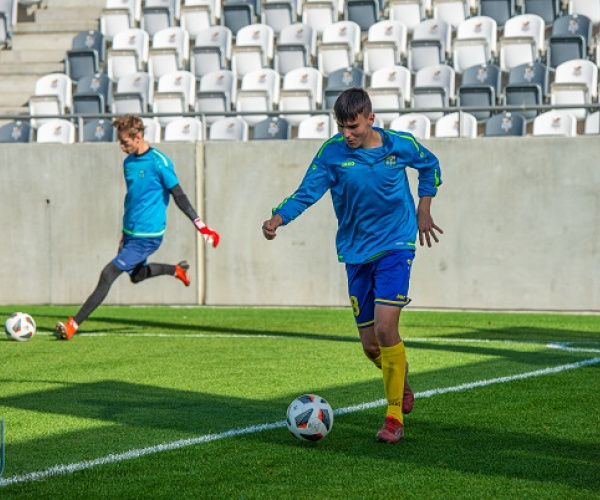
(571, 38)
(555, 122)
(385, 46)
(259, 92)
(340, 80)
(175, 94)
(548, 10)
(211, 51)
(302, 90)
(236, 15)
(575, 82)
(134, 94)
(53, 96)
(319, 14)
(229, 129)
(86, 56)
(589, 8)
(112, 21)
(133, 6)
(217, 93)
(5, 32)
(430, 44)
(97, 130)
(152, 130)
(410, 12)
(475, 43)
(527, 85)
(390, 89)
(480, 86)
(506, 124)
(56, 131)
(169, 52)
(296, 48)
(456, 124)
(93, 94)
(434, 88)
(253, 49)
(339, 48)
(417, 124)
(523, 41)
(278, 15)
(196, 18)
(271, 128)
(156, 18)
(500, 10)
(215, 7)
(365, 13)
(128, 53)
(592, 123)
(184, 129)
(15, 131)
(452, 12)
(315, 127)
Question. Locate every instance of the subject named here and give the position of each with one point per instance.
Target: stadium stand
(546, 55)
(417, 124)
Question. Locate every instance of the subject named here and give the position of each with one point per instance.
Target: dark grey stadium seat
(500, 10)
(570, 39)
(16, 131)
(480, 86)
(271, 128)
(527, 85)
(98, 130)
(505, 125)
(340, 80)
(86, 56)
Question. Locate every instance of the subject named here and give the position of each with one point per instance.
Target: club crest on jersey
(390, 161)
(141, 174)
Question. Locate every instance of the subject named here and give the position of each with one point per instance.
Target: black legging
(108, 276)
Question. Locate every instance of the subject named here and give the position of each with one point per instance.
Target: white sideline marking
(207, 438)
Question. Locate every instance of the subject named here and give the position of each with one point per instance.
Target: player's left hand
(427, 229)
(210, 235)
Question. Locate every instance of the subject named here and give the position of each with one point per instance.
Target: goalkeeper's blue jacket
(148, 177)
(370, 193)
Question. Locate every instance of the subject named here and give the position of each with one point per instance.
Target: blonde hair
(128, 125)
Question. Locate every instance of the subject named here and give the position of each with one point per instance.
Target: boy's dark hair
(351, 103)
(128, 125)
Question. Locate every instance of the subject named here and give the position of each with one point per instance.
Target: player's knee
(372, 352)
(139, 274)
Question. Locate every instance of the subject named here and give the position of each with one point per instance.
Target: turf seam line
(207, 438)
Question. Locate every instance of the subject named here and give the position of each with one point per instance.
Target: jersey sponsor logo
(390, 161)
(347, 164)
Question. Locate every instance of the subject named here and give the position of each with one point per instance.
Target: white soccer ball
(20, 326)
(309, 418)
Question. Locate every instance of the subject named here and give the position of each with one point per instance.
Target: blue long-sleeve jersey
(370, 193)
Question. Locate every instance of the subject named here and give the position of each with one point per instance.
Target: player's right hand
(210, 235)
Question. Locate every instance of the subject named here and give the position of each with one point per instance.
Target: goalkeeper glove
(210, 236)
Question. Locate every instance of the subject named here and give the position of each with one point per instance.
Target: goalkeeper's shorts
(135, 251)
(382, 281)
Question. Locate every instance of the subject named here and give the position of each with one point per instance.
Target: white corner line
(58, 470)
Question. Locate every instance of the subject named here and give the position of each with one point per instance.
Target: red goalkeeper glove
(210, 236)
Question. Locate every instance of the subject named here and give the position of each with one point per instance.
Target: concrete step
(31, 56)
(68, 14)
(57, 27)
(17, 69)
(60, 40)
(15, 100)
(13, 111)
(22, 83)
(62, 4)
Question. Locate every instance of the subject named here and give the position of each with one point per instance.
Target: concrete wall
(521, 219)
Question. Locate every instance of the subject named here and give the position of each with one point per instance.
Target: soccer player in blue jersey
(364, 167)
(151, 181)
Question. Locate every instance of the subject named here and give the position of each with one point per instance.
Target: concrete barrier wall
(521, 219)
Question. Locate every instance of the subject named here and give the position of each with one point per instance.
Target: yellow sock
(376, 361)
(393, 361)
